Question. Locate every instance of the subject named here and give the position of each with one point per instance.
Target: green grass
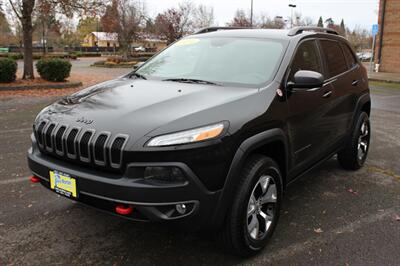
(386, 85)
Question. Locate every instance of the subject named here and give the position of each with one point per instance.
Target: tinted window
(351, 61)
(336, 62)
(306, 58)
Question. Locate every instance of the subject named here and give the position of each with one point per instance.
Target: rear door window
(351, 60)
(306, 58)
(335, 61)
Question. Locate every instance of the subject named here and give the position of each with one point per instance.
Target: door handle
(355, 83)
(327, 94)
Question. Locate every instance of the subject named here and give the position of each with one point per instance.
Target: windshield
(234, 61)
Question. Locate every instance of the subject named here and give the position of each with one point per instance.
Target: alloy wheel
(261, 207)
(363, 141)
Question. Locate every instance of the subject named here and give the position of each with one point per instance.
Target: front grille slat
(99, 149)
(48, 137)
(59, 147)
(84, 146)
(39, 133)
(116, 151)
(71, 150)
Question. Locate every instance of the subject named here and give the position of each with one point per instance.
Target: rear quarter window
(334, 57)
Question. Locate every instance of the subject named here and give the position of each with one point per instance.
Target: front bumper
(151, 202)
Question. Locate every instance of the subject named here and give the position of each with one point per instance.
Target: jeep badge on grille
(84, 120)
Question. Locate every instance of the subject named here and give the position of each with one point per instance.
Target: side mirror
(138, 65)
(304, 79)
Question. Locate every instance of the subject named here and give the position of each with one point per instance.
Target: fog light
(164, 175)
(181, 208)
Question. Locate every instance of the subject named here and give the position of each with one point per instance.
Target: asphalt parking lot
(330, 217)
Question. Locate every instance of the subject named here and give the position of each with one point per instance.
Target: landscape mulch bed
(38, 84)
(38, 87)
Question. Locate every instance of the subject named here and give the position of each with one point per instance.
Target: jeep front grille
(81, 145)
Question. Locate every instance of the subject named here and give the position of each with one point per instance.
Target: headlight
(188, 136)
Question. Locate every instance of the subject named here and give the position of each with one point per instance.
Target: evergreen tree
(342, 28)
(320, 22)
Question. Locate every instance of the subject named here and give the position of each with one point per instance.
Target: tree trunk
(124, 46)
(27, 29)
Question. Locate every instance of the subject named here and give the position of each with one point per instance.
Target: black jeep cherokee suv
(208, 133)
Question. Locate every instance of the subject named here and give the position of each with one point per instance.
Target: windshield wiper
(194, 81)
(137, 75)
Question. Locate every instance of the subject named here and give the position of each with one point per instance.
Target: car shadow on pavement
(112, 240)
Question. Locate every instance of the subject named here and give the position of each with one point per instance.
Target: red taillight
(124, 209)
(34, 179)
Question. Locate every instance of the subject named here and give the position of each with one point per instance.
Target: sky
(356, 13)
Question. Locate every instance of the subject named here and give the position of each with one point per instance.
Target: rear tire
(255, 208)
(353, 156)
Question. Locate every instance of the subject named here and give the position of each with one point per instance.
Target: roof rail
(298, 30)
(211, 29)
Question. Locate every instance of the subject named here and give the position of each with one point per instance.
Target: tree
(330, 23)
(24, 9)
(203, 16)
(46, 26)
(240, 20)
(320, 22)
(342, 29)
(124, 17)
(87, 25)
(174, 23)
(69, 37)
(302, 21)
(5, 30)
(268, 23)
(150, 26)
(360, 39)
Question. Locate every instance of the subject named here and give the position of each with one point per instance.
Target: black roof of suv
(208, 133)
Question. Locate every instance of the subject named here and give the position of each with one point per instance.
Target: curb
(116, 66)
(385, 80)
(66, 85)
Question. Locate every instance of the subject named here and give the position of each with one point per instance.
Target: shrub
(54, 69)
(8, 70)
(99, 63)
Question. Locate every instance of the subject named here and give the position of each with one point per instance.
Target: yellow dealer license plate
(63, 184)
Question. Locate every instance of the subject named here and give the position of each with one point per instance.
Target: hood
(139, 107)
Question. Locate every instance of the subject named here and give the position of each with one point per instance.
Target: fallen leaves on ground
(352, 191)
(318, 230)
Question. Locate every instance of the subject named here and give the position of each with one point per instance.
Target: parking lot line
(20, 130)
(14, 180)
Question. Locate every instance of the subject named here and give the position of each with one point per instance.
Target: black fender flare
(362, 100)
(242, 153)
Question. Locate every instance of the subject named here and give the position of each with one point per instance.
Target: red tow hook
(124, 209)
(34, 179)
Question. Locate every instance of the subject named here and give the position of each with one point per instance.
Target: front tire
(353, 156)
(255, 209)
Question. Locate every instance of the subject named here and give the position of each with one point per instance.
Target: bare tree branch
(19, 16)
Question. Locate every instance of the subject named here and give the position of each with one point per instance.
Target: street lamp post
(251, 14)
(292, 6)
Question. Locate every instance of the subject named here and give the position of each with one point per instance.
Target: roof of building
(113, 36)
(105, 36)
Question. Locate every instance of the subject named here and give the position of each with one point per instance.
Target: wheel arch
(363, 105)
(272, 143)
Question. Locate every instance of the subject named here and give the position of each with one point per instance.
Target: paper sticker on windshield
(187, 42)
